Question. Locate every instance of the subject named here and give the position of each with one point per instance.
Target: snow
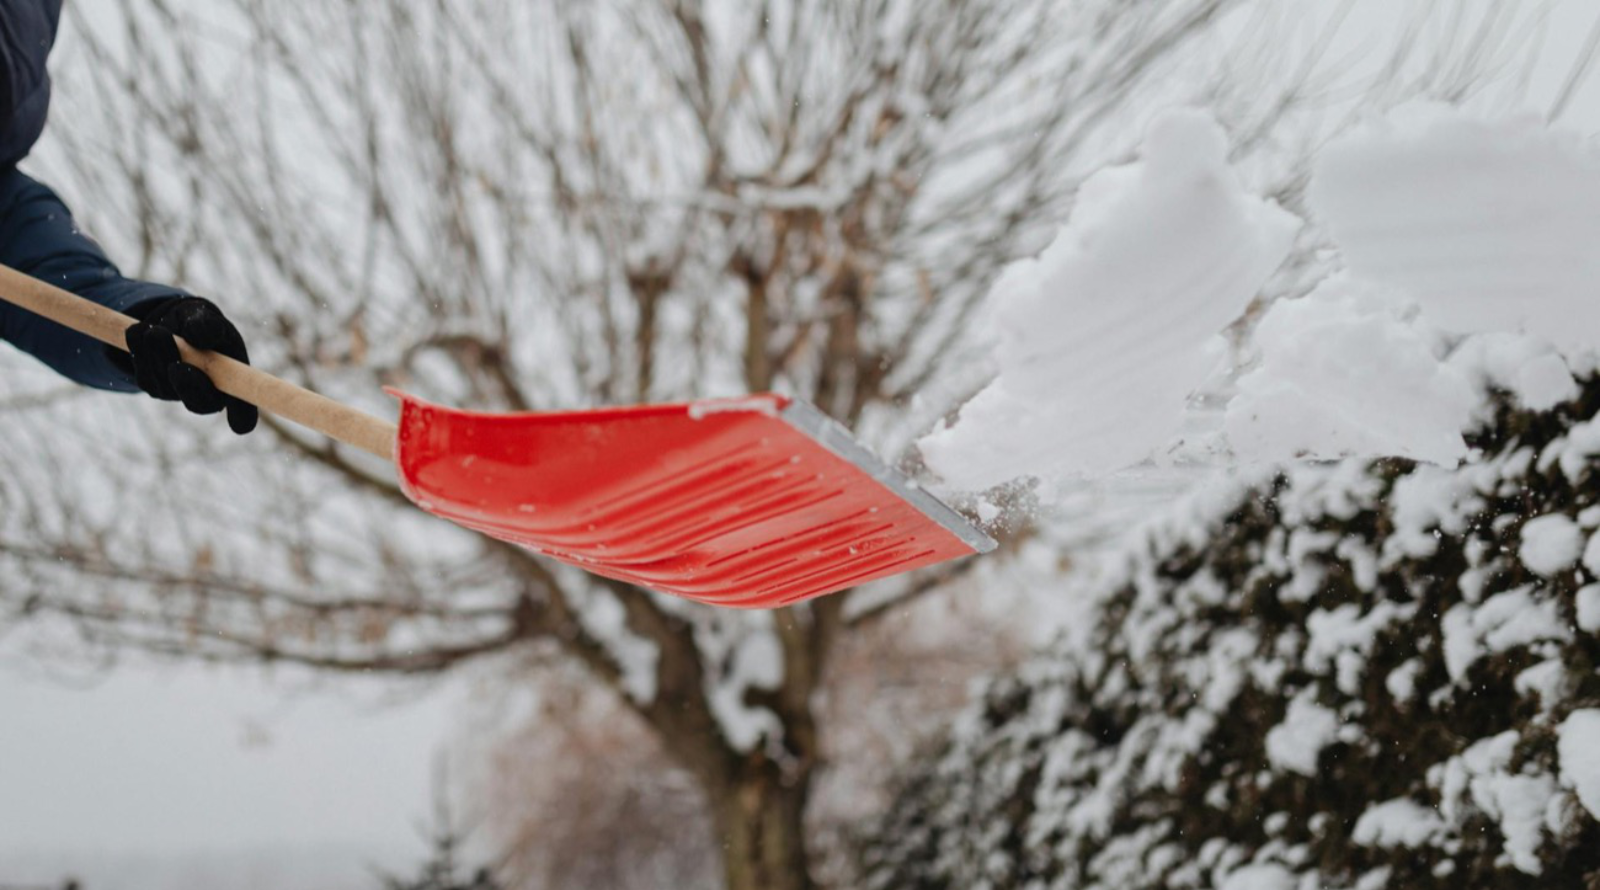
(1398, 823)
(1551, 544)
(604, 618)
(1578, 746)
(1589, 605)
(1547, 679)
(742, 653)
(1524, 806)
(1260, 877)
(1101, 339)
(1444, 222)
(1528, 368)
(1348, 371)
(703, 408)
(1402, 681)
(1465, 247)
(1489, 224)
(1297, 742)
(1343, 638)
(987, 512)
(1503, 622)
(1591, 555)
(1574, 451)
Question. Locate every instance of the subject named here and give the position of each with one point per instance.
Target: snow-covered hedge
(1359, 675)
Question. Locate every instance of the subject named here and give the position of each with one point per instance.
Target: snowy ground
(161, 777)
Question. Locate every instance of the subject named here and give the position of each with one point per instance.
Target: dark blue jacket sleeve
(27, 32)
(38, 237)
(37, 233)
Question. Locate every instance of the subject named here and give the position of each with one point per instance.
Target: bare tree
(508, 205)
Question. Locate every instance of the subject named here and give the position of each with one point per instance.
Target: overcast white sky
(172, 761)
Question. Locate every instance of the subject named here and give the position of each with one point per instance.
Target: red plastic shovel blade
(755, 503)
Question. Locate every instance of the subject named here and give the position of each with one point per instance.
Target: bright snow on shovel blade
(753, 503)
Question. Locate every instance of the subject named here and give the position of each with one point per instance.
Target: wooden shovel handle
(334, 419)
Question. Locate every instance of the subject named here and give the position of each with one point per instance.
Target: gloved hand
(160, 372)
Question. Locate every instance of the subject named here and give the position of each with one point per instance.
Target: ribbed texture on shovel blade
(754, 503)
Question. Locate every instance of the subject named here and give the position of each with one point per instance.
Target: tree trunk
(760, 824)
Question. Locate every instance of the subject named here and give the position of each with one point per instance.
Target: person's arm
(39, 237)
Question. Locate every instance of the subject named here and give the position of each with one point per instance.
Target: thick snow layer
(1490, 225)
(1579, 749)
(1398, 823)
(1551, 544)
(1102, 337)
(1348, 371)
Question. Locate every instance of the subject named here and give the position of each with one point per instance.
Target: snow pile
(1348, 371)
(1448, 225)
(1369, 674)
(1489, 225)
(1470, 266)
(1101, 339)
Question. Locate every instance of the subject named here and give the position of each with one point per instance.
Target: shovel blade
(757, 502)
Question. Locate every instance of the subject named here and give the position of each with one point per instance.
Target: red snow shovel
(755, 502)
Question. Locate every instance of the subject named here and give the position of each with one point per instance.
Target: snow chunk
(987, 512)
(1343, 638)
(1591, 555)
(1528, 368)
(1266, 876)
(1103, 336)
(1550, 544)
(1402, 681)
(1579, 748)
(1346, 371)
(1589, 605)
(603, 616)
(743, 655)
(1491, 225)
(1503, 622)
(1547, 679)
(1524, 806)
(1398, 823)
(1574, 451)
(1297, 742)
(1427, 500)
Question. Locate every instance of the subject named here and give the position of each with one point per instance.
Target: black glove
(161, 373)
